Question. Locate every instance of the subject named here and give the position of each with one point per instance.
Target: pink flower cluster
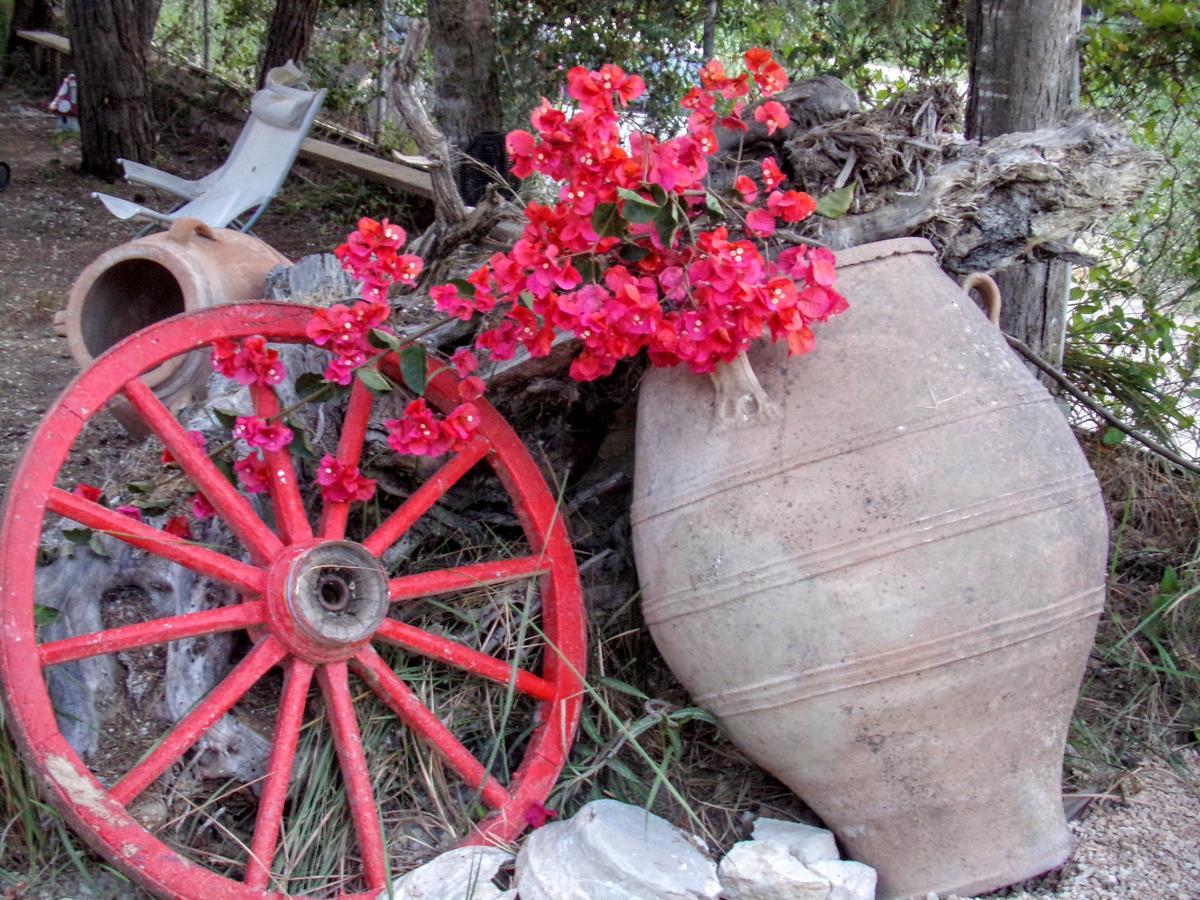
(340, 484)
(657, 280)
(371, 254)
(421, 433)
(344, 330)
(248, 362)
(258, 432)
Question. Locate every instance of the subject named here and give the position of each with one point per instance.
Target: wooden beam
(381, 171)
(47, 39)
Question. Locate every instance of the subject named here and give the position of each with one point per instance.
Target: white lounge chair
(280, 117)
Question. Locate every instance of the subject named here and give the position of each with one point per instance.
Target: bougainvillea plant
(636, 253)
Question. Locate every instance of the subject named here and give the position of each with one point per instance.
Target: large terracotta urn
(188, 268)
(881, 566)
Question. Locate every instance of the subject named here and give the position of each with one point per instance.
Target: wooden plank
(373, 168)
(47, 39)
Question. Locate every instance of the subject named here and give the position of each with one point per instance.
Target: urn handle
(741, 399)
(988, 290)
(181, 230)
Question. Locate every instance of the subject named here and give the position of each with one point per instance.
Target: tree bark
(110, 40)
(288, 35)
(466, 86)
(1024, 76)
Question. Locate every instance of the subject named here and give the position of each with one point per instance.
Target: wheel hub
(325, 600)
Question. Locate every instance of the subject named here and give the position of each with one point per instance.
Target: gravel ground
(1144, 843)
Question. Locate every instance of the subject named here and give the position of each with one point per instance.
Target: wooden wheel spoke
(238, 514)
(394, 526)
(290, 516)
(349, 452)
(347, 740)
(279, 773)
(202, 717)
(462, 578)
(415, 715)
(463, 657)
(156, 631)
(199, 559)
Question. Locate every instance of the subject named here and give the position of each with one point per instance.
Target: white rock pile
(614, 851)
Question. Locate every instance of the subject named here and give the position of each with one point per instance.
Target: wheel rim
(281, 595)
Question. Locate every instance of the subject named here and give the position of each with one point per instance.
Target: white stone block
(849, 880)
(766, 870)
(806, 843)
(465, 872)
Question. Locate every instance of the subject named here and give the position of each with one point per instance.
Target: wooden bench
(381, 171)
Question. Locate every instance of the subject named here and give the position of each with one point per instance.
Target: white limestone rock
(849, 880)
(464, 872)
(766, 870)
(613, 851)
(806, 843)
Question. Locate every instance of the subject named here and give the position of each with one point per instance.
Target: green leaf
(712, 205)
(228, 419)
(632, 253)
(836, 205)
(96, 546)
(414, 368)
(637, 209)
(140, 487)
(588, 268)
(623, 687)
(1112, 437)
(606, 220)
(666, 223)
(78, 535)
(384, 340)
(464, 287)
(151, 507)
(44, 615)
(373, 379)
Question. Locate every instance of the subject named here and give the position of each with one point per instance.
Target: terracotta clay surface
(188, 268)
(884, 576)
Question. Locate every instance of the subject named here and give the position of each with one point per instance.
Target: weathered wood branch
(1014, 196)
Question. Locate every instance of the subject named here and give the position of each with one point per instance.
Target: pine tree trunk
(288, 35)
(110, 40)
(462, 42)
(1023, 76)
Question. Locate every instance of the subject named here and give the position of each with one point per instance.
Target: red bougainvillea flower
(258, 432)
(771, 175)
(760, 223)
(131, 511)
(773, 115)
(538, 815)
(464, 362)
(201, 508)
(460, 424)
(419, 433)
(251, 362)
(341, 485)
(196, 437)
(791, 206)
(747, 188)
(470, 388)
(87, 492)
(253, 473)
(179, 526)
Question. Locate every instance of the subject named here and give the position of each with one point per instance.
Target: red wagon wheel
(312, 603)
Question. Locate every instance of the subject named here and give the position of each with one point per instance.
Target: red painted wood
(156, 631)
(348, 742)
(416, 715)
(463, 657)
(200, 559)
(349, 453)
(462, 578)
(394, 526)
(279, 773)
(229, 504)
(290, 516)
(202, 717)
(99, 814)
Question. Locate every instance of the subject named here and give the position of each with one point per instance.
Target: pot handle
(988, 290)
(741, 399)
(182, 229)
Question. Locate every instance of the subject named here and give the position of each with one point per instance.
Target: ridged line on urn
(949, 524)
(992, 400)
(916, 658)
